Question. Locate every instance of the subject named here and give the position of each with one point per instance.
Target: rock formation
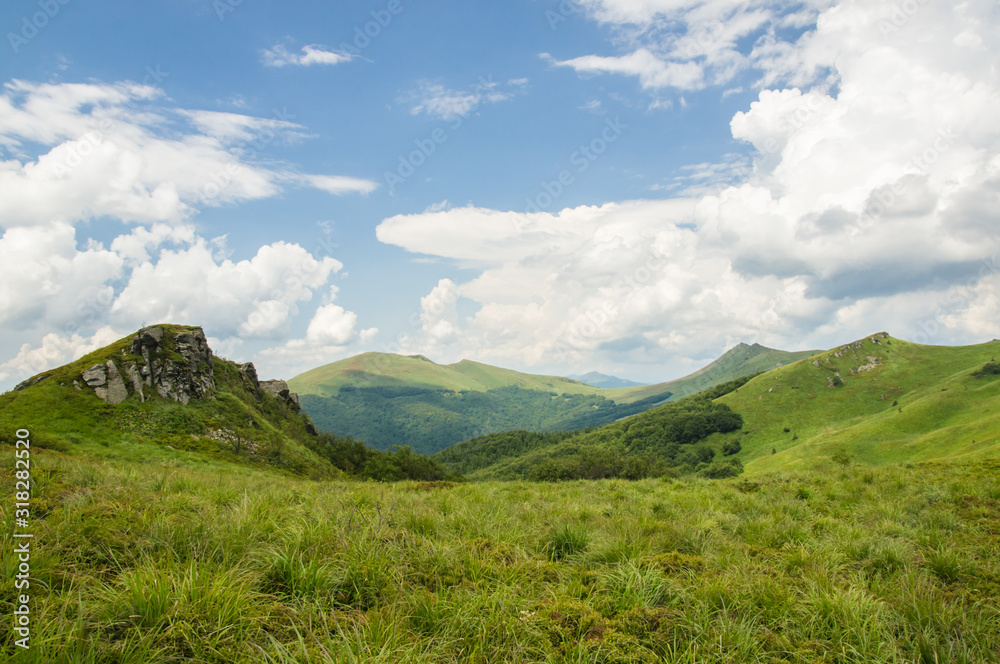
(177, 366)
(279, 390)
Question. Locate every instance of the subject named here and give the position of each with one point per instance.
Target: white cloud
(332, 326)
(109, 150)
(46, 278)
(867, 204)
(438, 101)
(53, 351)
(691, 44)
(279, 56)
(652, 71)
(338, 185)
(250, 298)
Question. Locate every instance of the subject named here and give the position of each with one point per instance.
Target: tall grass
(160, 562)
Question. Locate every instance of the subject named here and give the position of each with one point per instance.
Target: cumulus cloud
(54, 350)
(47, 278)
(250, 298)
(868, 202)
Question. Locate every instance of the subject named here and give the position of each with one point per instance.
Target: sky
(627, 186)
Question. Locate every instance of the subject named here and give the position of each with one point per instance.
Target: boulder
(96, 376)
(279, 390)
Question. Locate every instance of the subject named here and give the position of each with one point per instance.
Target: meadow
(163, 561)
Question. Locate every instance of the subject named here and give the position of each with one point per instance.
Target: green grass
(162, 561)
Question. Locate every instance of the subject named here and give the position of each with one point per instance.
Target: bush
(731, 448)
(566, 541)
(718, 470)
(989, 369)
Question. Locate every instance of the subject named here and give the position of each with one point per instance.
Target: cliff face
(176, 366)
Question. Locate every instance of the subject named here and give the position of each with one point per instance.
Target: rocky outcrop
(279, 390)
(177, 366)
(249, 372)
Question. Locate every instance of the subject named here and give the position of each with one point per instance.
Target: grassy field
(160, 562)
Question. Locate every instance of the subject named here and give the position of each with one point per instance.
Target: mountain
(386, 400)
(877, 400)
(604, 381)
(162, 393)
(739, 361)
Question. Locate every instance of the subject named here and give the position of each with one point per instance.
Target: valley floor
(148, 563)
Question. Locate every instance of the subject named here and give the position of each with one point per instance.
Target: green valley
(389, 400)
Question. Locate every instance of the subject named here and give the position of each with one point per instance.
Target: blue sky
(798, 174)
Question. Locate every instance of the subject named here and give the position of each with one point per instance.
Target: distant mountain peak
(597, 379)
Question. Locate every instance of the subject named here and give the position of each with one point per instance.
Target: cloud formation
(871, 203)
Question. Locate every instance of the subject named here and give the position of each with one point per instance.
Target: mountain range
(875, 401)
(388, 400)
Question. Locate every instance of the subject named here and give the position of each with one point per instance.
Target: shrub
(989, 369)
(718, 470)
(566, 541)
(731, 448)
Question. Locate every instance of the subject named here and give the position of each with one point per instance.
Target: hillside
(161, 394)
(894, 401)
(389, 400)
(739, 361)
(878, 400)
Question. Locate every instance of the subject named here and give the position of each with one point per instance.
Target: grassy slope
(62, 417)
(740, 361)
(152, 562)
(944, 408)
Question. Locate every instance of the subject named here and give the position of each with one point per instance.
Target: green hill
(389, 400)
(161, 394)
(879, 400)
(739, 361)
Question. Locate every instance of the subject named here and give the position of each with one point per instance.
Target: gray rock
(96, 376)
(279, 390)
(116, 391)
(136, 379)
(31, 381)
(250, 372)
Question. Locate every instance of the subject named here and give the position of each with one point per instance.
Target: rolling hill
(388, 400)
(878, 400)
